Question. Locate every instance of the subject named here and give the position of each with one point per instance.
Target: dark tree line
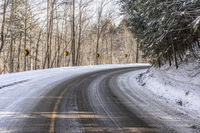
(166, 29)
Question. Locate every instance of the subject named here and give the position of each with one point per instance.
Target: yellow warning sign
(98, 55)
(67, 53)
(26, 52)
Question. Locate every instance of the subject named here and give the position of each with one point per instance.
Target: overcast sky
(112, 7)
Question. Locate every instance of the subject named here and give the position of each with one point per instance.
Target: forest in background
(40, 34)
(168, 30)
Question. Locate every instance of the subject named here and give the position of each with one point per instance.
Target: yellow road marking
(54, 113)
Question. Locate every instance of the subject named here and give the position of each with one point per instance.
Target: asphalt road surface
(85, 104)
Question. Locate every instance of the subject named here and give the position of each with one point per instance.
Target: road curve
(85, 104)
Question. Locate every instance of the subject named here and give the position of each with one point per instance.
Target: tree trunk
(12, 39)
(37, 49)
(3, 24)
(137, 52)
(80, 34)
(19, 51)
(73, 43)
(25, 34)
(174, 53)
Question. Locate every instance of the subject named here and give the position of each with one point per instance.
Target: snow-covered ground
(180, 87)
(21, 92)
(7, 80)
(25, 84)
(170, 96)
(176, 92)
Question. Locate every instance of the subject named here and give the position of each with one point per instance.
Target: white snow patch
(6, 79)
(179, 87)
(175, 91)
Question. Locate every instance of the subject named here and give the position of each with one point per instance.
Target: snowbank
(172, 93)
(178, 87)
(7, 80)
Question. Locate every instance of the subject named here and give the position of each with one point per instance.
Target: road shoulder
(150, 106)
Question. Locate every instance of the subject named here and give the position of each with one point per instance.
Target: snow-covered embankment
(171, 95)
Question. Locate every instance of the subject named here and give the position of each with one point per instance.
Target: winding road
(84, 104)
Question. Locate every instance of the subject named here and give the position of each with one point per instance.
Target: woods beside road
(38, 34)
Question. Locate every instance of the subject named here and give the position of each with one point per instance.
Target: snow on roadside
(176, 92)
(7, 79)
(38, 73)
(178, 87)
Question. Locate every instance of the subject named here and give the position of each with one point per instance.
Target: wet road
(85, 104)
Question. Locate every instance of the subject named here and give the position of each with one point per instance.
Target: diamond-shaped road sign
(26, 52)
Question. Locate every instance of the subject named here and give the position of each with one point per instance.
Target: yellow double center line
(55, 112)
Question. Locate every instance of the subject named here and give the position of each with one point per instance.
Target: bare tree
(37, 49)
(50, 20)
(100, 25)
(25, 32)
(60, 27)
(73, 35)
(3, 24)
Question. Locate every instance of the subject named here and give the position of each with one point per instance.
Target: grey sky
(112, 7)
